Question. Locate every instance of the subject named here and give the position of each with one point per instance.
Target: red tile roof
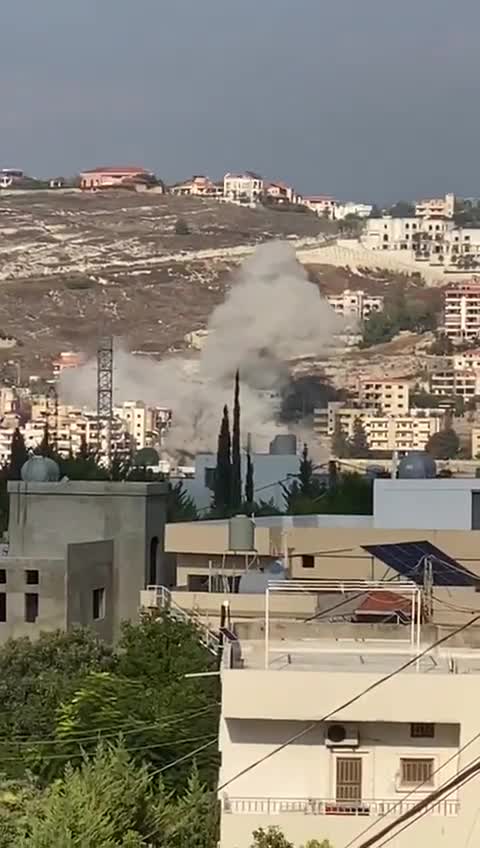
(385, 602)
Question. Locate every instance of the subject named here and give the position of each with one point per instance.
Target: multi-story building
(436, 207)
(135, 415)
(413, 234)
(355, 304)
(461, 246)
(467, 360)
(198, 186)
(346, 759)
(391, 396)
(360, 210)
(280, 192)
(475, 443)
(323, 205)
(462, 310)
(452, 382)
(402, 432)
(245, 187)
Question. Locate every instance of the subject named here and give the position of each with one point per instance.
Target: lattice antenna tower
(105, 394)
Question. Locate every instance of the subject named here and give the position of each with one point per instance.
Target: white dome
(40, 469)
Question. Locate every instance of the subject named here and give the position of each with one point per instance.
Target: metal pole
(267, 624)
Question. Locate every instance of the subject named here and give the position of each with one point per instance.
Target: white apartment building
(246, 187)
(391, 396)
(376, 755)
(436, 207)
(355, 304)
(461, 245)
(462, 310)
(413, 234)
(323, 205)
(360, 210)
(135, 416)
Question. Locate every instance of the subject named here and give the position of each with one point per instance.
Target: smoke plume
(271, 315)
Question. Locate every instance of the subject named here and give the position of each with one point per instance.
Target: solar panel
(410, 559)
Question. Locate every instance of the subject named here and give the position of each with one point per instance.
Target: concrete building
(384, 432)
(323, 205)
(280, 192)
(462, 310)
(79, 553)
(374, 756)
(467, 360)
(451, 382)
(436, 207)
(391, 396)
(360, 210)
(198, 186)
(245, 187)
(461, 246)
(476, 442)
(270, 472)
(111, 177)
(413, 234)
(355, 303)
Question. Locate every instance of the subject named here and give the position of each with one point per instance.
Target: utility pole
(105, 395)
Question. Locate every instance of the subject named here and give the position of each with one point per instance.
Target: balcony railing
(323, 807)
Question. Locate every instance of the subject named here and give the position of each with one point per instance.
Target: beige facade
(409, 731)
(392, 397)
(355, 303)
(436, 207)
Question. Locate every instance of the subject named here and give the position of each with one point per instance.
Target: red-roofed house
(381, 606)
(109, 177)
(323, 205)
(280, 192)
(198, 186)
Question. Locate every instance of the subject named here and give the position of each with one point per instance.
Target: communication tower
(105, 394)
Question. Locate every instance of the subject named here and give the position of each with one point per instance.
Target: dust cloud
(271, 315)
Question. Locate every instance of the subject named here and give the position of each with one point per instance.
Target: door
(349, 780)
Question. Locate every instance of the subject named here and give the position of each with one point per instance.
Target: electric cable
(414, 790)
(349, 702)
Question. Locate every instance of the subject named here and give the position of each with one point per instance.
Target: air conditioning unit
(342, 736)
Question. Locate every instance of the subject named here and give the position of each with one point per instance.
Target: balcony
(323, 807)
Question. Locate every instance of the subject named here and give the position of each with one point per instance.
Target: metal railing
(324, 807)
(161, 597)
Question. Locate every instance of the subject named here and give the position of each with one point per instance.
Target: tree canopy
(443, 445)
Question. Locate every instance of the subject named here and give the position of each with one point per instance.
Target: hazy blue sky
(366, 99)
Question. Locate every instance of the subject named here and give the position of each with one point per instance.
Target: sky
(363, 99)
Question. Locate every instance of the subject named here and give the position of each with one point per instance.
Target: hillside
(74, 264)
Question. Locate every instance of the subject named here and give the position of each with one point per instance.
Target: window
(3, 606)
(98, 604)
(3, 575)
(31, 577)
(308, 561)
(349, 779)
(422, 731)
(413, 771)
(31, 607)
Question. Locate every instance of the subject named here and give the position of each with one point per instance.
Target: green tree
(443, 445)
(236, 497)
(18, 455)
(402, 209)
(340, 446)
(303, 495)
(249, 481)
(223, 472)
(111, 801)
(180, 506)
(35, 678)
(45, 447)
(352, 495)
(272, 837)
(358, 446)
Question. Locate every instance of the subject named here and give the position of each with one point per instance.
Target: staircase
(159, 597)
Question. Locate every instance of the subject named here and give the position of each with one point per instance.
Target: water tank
(241, 533)
(417, 464)
(285, 444)
(40, 469)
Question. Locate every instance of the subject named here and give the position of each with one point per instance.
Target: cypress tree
(236, 460)
(18, 455)
(359, 448)
(223, 473)
(249, 482)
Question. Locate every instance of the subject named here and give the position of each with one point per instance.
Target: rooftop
(126, 169)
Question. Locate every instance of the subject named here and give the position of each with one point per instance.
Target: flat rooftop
(350, 655)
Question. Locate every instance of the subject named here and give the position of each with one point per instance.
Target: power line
(415, 789)
(185, 757)
(468, 773)
(111, 730)
(349, 703)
